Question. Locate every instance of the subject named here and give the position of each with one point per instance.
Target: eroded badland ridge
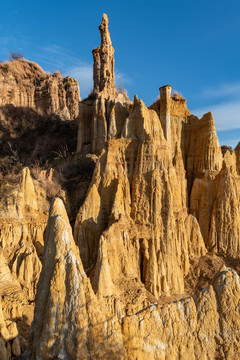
(119, 229)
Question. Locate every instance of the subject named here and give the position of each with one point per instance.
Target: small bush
(121, 89)
(48, 179)
(91, 96)
(14, 55)
(62, 152)
(56, 73)
(53, 188)
(177, 96)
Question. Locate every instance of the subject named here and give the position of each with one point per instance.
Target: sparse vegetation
(48, 179)
(27, 137)
(121, 89)
(14, 55)
(47, 145)
(56, 73)
(177, 96)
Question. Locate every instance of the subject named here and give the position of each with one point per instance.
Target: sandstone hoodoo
(138, 255)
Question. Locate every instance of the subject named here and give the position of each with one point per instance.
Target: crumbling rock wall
(24, 83)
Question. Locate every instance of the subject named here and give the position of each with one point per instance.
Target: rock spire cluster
(149, 267)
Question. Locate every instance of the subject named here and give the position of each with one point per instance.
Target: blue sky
(191, 45)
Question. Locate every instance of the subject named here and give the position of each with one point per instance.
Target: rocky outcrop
(25, 84)
(23, 214)
(9, 342)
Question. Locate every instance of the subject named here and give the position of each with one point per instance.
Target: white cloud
(56, 57)
(226, 115)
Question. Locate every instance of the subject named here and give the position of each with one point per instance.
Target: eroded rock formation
(24, 83)
(142, 275)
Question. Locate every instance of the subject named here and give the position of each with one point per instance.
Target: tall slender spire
(103, 68)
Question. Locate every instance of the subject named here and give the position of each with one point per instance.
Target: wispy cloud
(232, 89)
(53, 57)
(232, 142)
(122, 78)
(226, 115)
(84, 75)
(229, 137)
(56, 57)
(5, 40)
(224, 103)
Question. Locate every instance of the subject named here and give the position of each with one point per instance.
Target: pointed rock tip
(208, 115)
(237, 147)
(210, 119)
(26, 171)
(105, 17)
(105, 20)
(223, 268)
(57, 208)
(26, 174)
